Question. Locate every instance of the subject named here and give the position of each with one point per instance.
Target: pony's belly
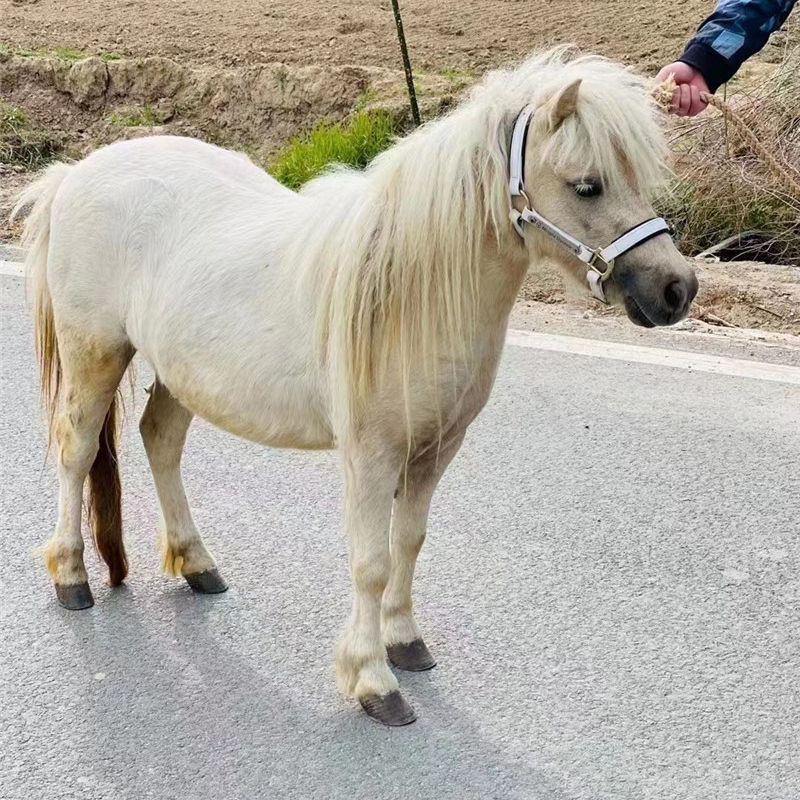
(301, 430)
(295, 422)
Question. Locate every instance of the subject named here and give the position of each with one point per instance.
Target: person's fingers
(684, 100)
(676, 100)
(696, 104)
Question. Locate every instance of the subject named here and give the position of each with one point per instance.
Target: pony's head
(592, 157)
(412, 256)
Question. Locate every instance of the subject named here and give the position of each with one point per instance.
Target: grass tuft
(145, 116)
(354, 143)
(64, 53)
(458, 78)
(22, 143)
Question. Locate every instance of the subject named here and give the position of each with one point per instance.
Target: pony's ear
(563, 104)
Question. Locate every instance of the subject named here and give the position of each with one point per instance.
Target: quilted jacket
(735, 31)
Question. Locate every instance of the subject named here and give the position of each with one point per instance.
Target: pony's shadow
(193, 716)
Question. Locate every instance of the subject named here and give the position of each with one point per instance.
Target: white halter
(590, 256)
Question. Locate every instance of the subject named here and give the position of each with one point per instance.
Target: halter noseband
(594, 258)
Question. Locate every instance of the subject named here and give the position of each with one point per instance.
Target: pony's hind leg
(163, 426)
(84, 431)
(401, 635)
(361, 668)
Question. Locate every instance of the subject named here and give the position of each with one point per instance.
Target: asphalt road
(610, 584)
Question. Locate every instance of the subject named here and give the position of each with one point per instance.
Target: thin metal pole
(412, 94)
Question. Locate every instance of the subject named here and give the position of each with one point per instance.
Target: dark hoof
(75, 597)
(208, 582)
(391, 709)
(413, 656)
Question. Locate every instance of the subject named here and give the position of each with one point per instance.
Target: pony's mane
(393, 253)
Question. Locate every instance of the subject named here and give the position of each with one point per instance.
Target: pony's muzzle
(651, 300)
(679, 294)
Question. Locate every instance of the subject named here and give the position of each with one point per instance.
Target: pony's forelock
(616, 129)
(615, 132)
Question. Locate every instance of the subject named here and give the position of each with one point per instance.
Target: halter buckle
(597, 256)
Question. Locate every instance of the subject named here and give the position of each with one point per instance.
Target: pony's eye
(588, 189)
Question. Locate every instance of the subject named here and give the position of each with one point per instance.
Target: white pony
(368, 312)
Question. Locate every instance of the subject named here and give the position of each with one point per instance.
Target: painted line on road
(681, 359)
(595, 348)
(12, 268)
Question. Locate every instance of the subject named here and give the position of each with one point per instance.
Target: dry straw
(736, 170)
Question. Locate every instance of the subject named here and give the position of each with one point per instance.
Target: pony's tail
(105, 495)
(36, 238)
(105, 500)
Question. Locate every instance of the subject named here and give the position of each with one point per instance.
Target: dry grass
(723, 186)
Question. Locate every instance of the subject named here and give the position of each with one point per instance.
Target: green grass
(68, 53)
(354, 143)
(11, 117)
(458, 78)
(146, 116)
(369, 97)
(5, 50)
(22, 143)
(64, 53)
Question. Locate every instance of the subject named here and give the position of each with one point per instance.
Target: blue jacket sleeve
(735, 31)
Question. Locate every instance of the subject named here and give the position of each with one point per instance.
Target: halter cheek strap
(599, 262)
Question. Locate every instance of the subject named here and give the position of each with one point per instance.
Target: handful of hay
(740, 169)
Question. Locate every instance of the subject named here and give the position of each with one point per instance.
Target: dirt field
(225, 82)
(464, 35)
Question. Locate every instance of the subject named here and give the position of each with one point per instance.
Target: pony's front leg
(361, 667)
(401, 634)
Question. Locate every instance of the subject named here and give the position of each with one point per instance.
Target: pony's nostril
(675, 295)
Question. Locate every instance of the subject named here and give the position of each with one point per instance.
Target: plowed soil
(442, 34)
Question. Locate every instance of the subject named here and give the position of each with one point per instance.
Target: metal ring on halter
(597, 255)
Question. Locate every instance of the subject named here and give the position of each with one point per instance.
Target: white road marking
(697, 362)
(12, 268)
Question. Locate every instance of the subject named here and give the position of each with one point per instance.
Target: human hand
(686, 99)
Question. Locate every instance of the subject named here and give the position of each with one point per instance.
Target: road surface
(611, 586)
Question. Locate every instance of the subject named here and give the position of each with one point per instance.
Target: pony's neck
(503, 269)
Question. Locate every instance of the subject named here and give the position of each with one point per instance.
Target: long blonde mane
(393, 254)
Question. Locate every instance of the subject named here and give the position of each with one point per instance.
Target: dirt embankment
(94, 101)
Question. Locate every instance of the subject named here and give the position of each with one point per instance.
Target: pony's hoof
(208, 582)
(391, 709)
(412, 656)
(75, 597)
